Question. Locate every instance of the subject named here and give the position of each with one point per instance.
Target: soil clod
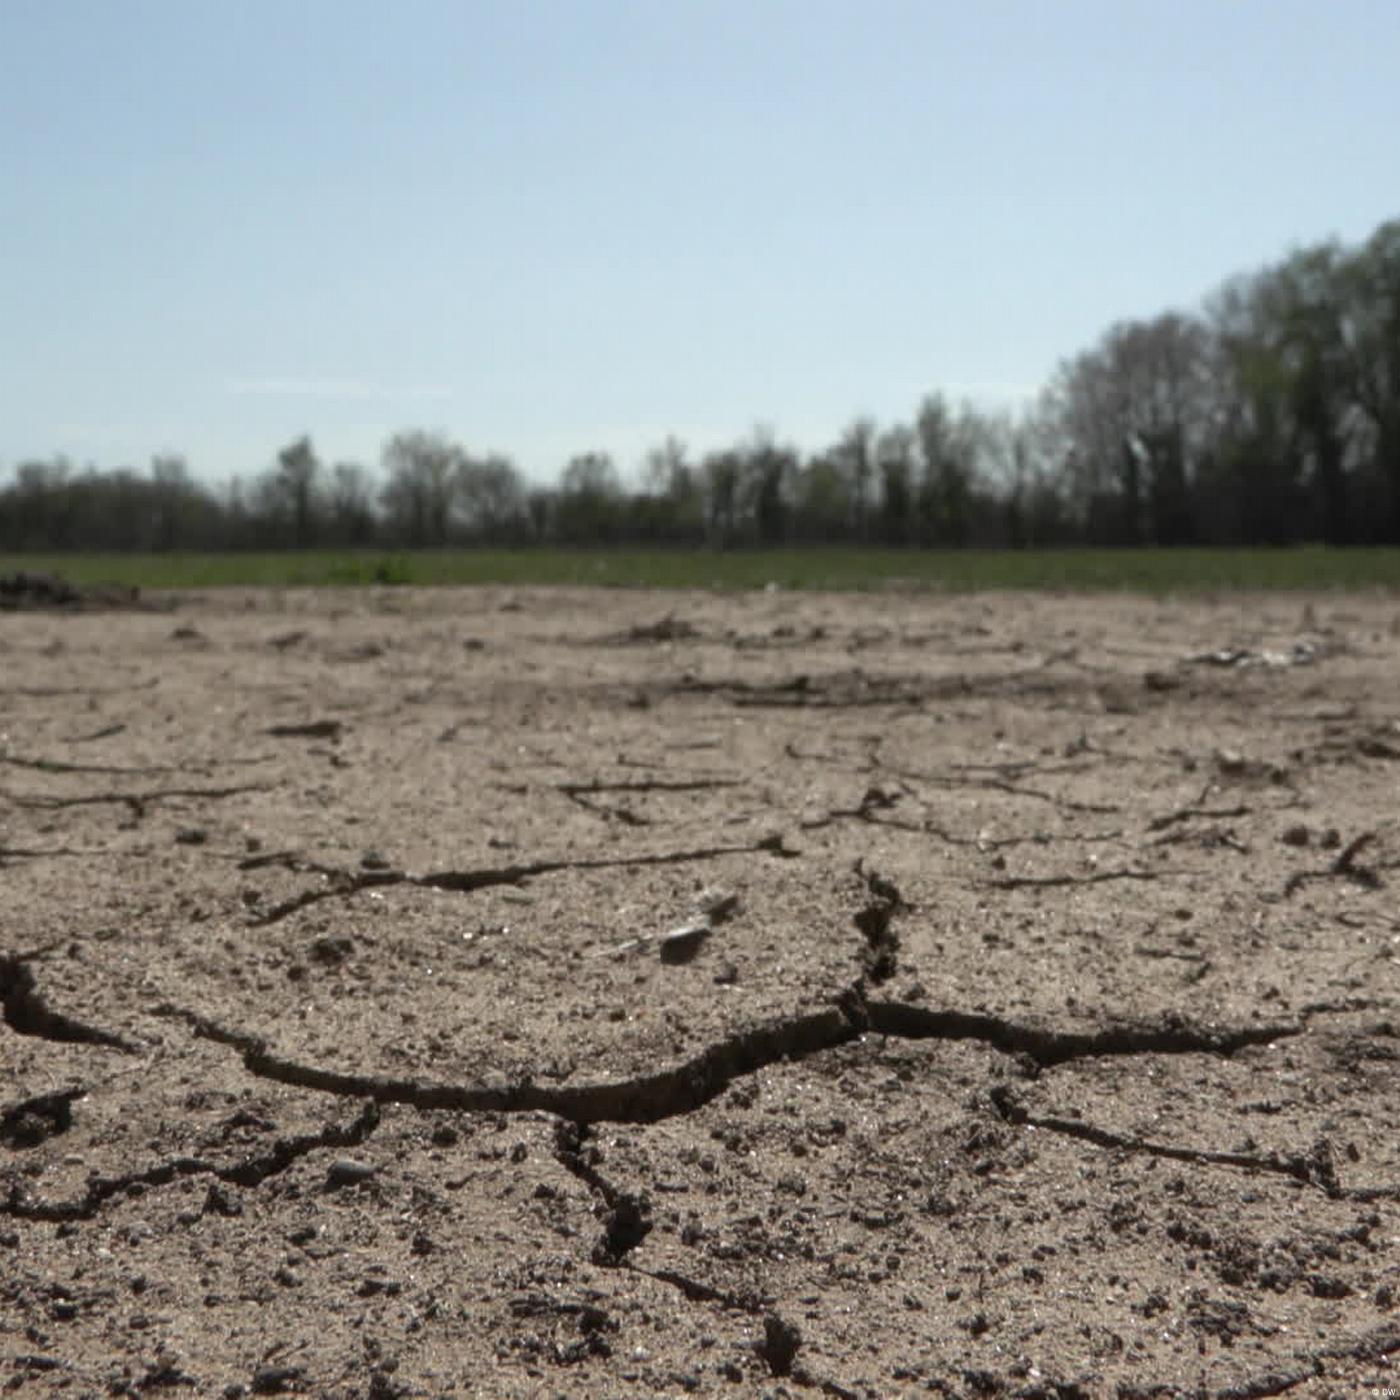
(779, 1345)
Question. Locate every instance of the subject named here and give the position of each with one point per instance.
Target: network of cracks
(845, 996)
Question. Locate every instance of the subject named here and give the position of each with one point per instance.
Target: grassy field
(1144, 570)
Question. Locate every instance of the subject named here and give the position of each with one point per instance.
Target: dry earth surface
(1033, 1029)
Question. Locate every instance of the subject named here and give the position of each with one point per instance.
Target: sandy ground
(1031, 1030)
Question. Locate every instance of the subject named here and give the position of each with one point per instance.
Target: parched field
(514, 992)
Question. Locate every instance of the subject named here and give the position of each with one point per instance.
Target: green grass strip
(1150, 571)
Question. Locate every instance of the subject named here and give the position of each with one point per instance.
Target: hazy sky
(550, 227)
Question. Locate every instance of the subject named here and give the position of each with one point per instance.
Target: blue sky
(546, 227)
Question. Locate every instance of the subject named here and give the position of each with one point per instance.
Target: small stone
(373, 860)
(716, 904)
(277, 1380)
(1296, 835)
(345, 1171)
(191, 836)
(332, 949)
(1230, 761)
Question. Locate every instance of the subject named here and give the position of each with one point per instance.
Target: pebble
(345, 1171)
(332, 949)
(716, 904)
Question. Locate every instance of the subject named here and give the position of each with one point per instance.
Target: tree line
(1269, 415)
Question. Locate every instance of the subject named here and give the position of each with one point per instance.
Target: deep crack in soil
(348, 882)
(680, 1089)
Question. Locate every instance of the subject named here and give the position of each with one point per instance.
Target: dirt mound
(23, 591)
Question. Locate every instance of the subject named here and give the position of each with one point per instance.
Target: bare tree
(896, 454)
(170, 477)
(352, 508)
(948, 445)
(768, 471)
(1371, 335)
(590, 499)
(422, 472)
(491, 496)
(1133, 414)
(293, 488)
(856, 453)
(675, 489)
(721, 473)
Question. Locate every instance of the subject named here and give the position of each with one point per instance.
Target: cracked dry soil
(515, 993)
